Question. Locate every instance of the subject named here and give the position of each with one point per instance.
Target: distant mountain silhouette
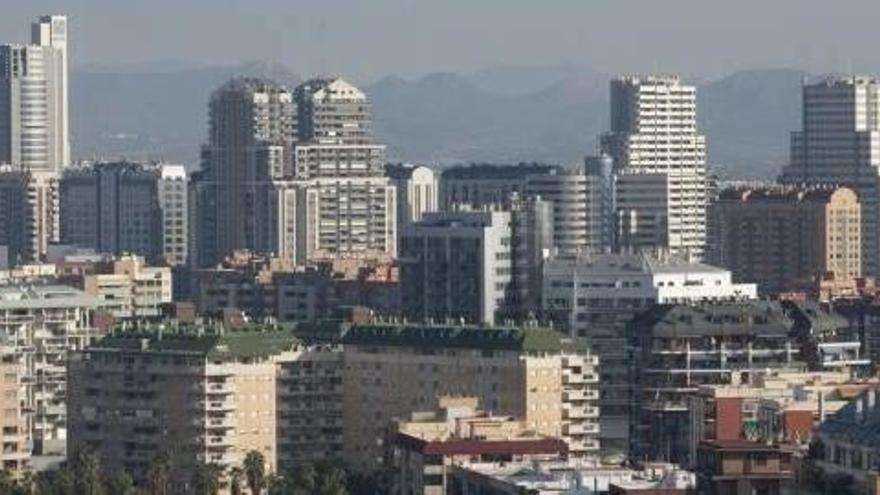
(504, 114)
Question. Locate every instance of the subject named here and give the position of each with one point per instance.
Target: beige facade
(16, 438)
(391, 371)
(788, 238)
(128, 288)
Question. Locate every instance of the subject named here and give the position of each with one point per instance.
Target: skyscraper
(34, 99)
(654, 131)
(350, 206)
(839, 144)
(250, 144)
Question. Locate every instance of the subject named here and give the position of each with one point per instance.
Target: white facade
(175, 217)
(654, 131)
(33, 99)
(416, 187)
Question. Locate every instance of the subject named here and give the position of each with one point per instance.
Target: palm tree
(206, 479)
(235, 476)
(255, 471)
(159, 475)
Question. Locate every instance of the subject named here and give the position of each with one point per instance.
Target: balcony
(219, 406)
(224, 388)
(226, 423)
(573, 378)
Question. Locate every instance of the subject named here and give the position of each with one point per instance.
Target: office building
(595, 296)
(838, 145)
(29, 215)
(600, 169)
(417, 189)
(788, 238)
(576, 209)
(41, 324)
(456, 265)
(112, 208)
(34, 114)
(654, 131)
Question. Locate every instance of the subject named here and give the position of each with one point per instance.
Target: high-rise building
(456, 265)
(250, 144)
(174, 204)
(34, 114)
(575, 209)
(349, 206)
(600, 169)
(788, 238)
(839, 144)
(654, 131)
(29, 215)
(112, 208)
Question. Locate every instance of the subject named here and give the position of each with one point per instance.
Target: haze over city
(459, 248)
(370, 40)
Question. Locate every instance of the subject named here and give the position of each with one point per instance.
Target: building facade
(838, 145)
(788, 238)
(654, 131)
(34, 111)
(417, 189)
(456, 265)
(29, 215)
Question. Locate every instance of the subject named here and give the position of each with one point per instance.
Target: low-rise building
(126, 287)
(847, 447)
(566, 477)
(427, 444)
(729, 467)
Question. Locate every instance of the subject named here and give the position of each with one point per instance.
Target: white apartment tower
(839, 144)
(654, 131)
(34, 99)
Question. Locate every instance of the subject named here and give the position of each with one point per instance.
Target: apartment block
(14, 424)
(40, 325)
(788, 238)
(124, 286)
(654, 136)
(678, 348)
(595, 296)
(534, 374)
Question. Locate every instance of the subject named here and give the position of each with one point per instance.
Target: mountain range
(504, 114)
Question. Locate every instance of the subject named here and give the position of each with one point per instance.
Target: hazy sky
(366, 39)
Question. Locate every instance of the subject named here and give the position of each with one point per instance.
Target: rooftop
(499, 171)
(765, 318)
(250, 343)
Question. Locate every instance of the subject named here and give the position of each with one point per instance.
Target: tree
(255, 471)
(206, 479)
(86, 466)
(120, 484)
(305, 479)
(159, 475)
(235, 476)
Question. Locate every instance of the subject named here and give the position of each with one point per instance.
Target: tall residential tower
(654, 135)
